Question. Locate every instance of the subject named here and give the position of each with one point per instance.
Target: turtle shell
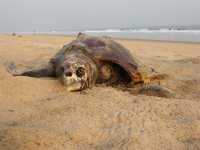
(105, 49)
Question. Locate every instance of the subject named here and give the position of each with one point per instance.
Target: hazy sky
(45, 15)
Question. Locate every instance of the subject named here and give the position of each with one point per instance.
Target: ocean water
(184, 34)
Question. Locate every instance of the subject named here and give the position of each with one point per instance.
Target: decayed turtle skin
(89, 60)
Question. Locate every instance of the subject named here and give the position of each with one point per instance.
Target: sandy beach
(37, 113)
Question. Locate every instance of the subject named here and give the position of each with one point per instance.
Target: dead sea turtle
(90, 60)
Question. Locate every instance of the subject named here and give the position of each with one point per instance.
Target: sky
(47, 15)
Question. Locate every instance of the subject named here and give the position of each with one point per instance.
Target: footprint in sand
(190, 141)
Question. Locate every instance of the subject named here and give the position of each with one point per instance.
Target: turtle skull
(74, 77)
(75, 80)
(77, 71)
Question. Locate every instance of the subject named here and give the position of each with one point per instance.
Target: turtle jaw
(72, 83)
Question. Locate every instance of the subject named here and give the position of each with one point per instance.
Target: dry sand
(40, 114)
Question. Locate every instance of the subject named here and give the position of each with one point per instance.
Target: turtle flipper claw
(10, 67)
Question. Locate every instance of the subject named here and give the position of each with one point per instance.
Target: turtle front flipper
(37, 73)
(152, 91)
(47, 71)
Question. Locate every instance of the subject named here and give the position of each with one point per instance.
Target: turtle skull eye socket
(80, 72)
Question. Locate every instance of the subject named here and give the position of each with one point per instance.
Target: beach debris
(90, 60)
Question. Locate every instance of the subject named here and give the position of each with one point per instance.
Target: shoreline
(115, 38)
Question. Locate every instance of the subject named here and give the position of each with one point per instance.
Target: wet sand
(40, 114)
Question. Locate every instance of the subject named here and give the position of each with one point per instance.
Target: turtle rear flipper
(152, 91)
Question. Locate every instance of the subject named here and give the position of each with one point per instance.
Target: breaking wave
(166, 34)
